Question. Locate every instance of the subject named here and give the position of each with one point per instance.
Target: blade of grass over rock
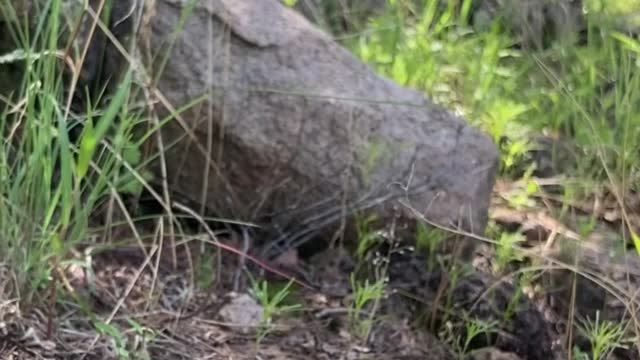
(65, 168)
(188, 9)
(144, 138)
(91, 138)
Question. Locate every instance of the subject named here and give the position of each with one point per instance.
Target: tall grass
(586, 93)
(51, 183)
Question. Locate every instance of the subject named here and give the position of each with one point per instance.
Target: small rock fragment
(491, 353)
(242, 313)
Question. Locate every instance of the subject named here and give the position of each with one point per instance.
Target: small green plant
(514, 152)
(457, 272)
(117, 338)
(521, 196)
(272, 306)
(506, 251)
(579, 354)
(205, 270)
(473, 328)
(367, 238)
(604, 336)
(513, 306)
(501, 123)
(143, 337)
(429, 239)
(124, 350)
(365, 293)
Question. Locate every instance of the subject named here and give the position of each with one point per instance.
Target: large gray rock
(295, 127)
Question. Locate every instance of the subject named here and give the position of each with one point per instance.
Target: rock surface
(294, 128)
(490, 353)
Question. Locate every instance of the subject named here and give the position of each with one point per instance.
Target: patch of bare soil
(139, 306)
(176, 320)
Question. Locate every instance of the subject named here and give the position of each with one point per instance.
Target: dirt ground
(146, 306)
